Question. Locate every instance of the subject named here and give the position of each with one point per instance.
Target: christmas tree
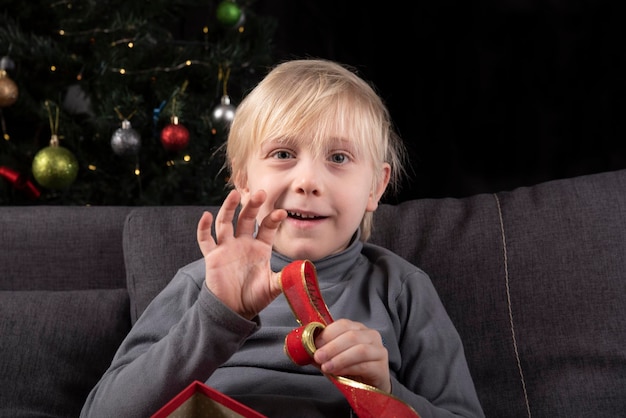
(117, 102)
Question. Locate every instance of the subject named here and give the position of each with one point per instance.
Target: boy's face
(324, 195)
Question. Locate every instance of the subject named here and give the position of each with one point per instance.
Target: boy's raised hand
(238, 263)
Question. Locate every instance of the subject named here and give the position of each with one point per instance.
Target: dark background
(488, 95)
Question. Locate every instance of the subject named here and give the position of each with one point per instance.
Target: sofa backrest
(533, 278)
(535, 281)
(64, 307)
(157, 242)
(62, 247)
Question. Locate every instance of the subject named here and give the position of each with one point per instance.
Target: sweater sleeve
(184, 335)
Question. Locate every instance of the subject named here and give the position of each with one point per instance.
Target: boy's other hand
(350, 349)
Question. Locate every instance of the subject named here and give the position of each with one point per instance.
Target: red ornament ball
(175, 137)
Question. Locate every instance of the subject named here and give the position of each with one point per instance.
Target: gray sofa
(534, 279)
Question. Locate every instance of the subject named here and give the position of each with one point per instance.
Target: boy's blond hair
(312, 100)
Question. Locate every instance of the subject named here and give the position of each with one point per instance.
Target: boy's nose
(308, 179)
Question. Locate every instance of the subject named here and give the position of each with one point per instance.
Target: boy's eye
(282, 155)
(338, 158)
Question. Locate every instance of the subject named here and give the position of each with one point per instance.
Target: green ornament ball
(55, 167)
(228, 12)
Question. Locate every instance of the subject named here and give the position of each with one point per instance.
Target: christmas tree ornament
(8, 89)
(126, 141)
(228, 13)
(174, 136)
(6, 63)
(55, 167)
(224, 113)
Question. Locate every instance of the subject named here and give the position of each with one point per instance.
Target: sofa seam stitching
(509, 304)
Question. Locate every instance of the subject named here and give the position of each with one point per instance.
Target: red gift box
(199, 400)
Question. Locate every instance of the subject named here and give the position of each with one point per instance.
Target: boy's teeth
(300, 215)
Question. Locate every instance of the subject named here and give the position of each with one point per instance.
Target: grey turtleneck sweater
(187, 334)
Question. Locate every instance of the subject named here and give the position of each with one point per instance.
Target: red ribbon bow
(298, 281)
(20, 182)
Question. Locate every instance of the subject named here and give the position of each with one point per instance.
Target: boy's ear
(245, 195)
(241, 184)
(380, 188)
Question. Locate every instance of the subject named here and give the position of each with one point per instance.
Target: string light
(171, 163)
(130, 43)
(177, 67)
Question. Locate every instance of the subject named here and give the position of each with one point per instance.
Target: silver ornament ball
(224, 113)
(6, 63)
(126, 141)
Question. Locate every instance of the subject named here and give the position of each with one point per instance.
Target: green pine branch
(99, 60)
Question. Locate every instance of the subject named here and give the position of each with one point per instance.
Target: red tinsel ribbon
(298, 281)
(20, 182)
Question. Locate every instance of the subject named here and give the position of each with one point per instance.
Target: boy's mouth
(303, 216)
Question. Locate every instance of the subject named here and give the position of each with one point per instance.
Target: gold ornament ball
(8, 91)
(55, 167)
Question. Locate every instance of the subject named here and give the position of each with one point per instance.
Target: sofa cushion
(535, 281)
(55, 346)
(157, 242)
(55, 248)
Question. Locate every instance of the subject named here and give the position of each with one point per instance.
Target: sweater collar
(330, 269)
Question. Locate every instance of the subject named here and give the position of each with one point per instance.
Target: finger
(224, 220)
(362, 361)
(346, 342)
(246, 222)
(337, 328)
(270, 225)
(203, 234)
(352, 359)
(374, 373)
(275, 286)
